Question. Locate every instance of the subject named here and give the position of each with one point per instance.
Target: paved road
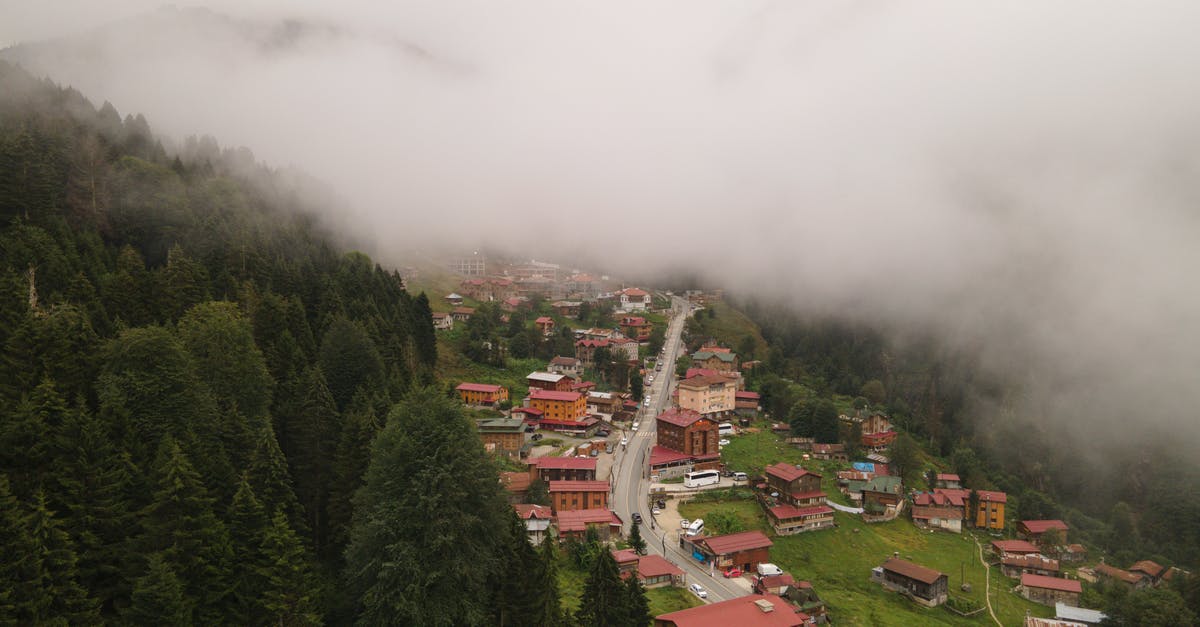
(631, 485)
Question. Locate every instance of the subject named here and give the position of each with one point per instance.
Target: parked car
(637, 518)
(608, 448)
(698, 590)
(530, 428)
(604, 433)
(733, 572)
(683, 524)
(535, 437)
(635, 426)
(740, 476)
(661, 504)
(595, 452)
(624, 441)
(722, 442)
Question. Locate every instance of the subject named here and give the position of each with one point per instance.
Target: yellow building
(568, 406)
(708, 395)
(481, 393)
(989, 514)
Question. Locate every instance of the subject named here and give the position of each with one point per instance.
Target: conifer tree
(638, 604)
(19, 579)
(270, 479)
(516, 595)
(605, 600)
(24, 438)
(289, 597)
(349, 466)
(158, 597)
(59, 597)
(247, 531)
(635, 539)
(313, 437)
(549, 611)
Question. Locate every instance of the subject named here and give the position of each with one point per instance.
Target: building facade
(564, 406)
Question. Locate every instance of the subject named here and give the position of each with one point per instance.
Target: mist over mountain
(1019, 182)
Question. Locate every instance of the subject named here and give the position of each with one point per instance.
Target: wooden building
(549, 381)
(481, 393)
(788, 520)
(989, 512)
(795, 486)
(882, 498)
(503, 436)
(924, 585)
(1032, 530)
(563, 468)
(566, 496)
(1016, 565)
(688, 432)
(1051, 590)
(745, 550)
(575, 523)
(555, 405)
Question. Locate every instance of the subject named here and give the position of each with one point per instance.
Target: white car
(698, 590)
(650, 378)
(722, 442)
(635, 426)
(655, 511)
(624, 441)
(685, 523)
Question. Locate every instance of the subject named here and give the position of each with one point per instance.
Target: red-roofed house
(711, 395)
(666, 462)
(565, 406)
(787, 520)
(537, 520)
(462, 314)
(744, 550)
(989, 512)
(481, 393)
(1032, 530)
(636, 328)
(1014, 547)
(566, 496)
(923, 585)
(549, 381)
(626, 560)
(575, 523)
(1051, 590)
(656, 572)
(516, 484)
(442, 321)
(765, 610)
(585, 350)
(795, 486)
(878, 440)
(938, 517)
(544, 324)
(688, 432)
(746, 403)
(948, 480)
(563, 468)
(1137, 581)
(1017, 565)
(632, 299)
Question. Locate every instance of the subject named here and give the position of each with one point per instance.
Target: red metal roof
(1030, 560)
(656, 566)
(734, 542)
(582, 422)
(784, 512)
(532, 411)
(681, 417)
(1015, 546)
(747, 395)
(552, 395)
(565, 463)
(579, 486)
(515, 481)
(742, 612)
(947, 477)
(787, 472)
(578, 520)
(988, 496)
(804, 496)
(1051, 583)
(663, 455)
(1042, 526)
(544, 319)
(478, 387)
(526, 511)
(625, 555)
(1117, 573)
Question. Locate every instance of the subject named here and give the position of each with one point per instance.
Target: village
(725, 511)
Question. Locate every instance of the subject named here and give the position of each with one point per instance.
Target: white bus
(701, 478)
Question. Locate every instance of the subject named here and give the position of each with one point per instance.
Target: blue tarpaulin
(864, 466)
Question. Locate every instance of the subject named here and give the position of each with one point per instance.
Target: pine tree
(431, 498)
(313, 437)
(349, 466)
(270, 479)
(289, 596)
(516, 595)
(423, 333)
(638, 604)
(24, 438)
(180, 523)
(605, 601)
(549, 611)
(247, 531)
(635, 539)
(60, 596)
(158, 597)
(20, 583)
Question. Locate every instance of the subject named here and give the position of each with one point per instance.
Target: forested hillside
(192, 378)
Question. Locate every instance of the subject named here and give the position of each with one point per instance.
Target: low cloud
(1019, 179)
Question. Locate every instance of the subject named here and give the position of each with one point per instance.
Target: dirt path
(987, 581)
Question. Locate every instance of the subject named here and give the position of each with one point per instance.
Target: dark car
(603, 433)
(535, 437)
(637, 518)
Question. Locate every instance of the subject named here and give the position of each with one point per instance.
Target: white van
(696, 527)
(725, 428)
(768, 570)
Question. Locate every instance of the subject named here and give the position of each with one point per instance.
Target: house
(656, 572)
(774, 584)
(604, 402)
(1032, 530)
(1016, 565)
(585, 350)
(516, 484)
(481, 393)
(454, 299)
(512, 304)
(923, 585)
(1073, 554)
(566, 496)
(562, 406)
(1003, 548)
(948, 480)
(565, 365)
(623, 348)
(636, 328)
(765, 610)
(442, 321)
(544, 325)
(563, 468)
(626, 560)
(876, 422)
(795, 485)
(879, 440)
(835, 452)
(503, 436)
(1051, 590)
(802, 596)
(633, 299)
(788, 519)
(476, 288)
(462, 314)
(745, 550)
(712, 395)
(715, 360)
(1152, 572)
(549, 381)
(1137, 581)
(746, 403)
(989, 510)
(567, 308)
(575, 523)
(881, 499)
(938, 517)
(537, 519)
(688, 432)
